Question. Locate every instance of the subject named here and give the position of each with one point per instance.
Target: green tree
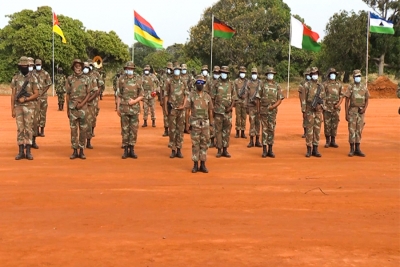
(158, 60)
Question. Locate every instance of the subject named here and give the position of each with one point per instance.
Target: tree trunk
(381, 64)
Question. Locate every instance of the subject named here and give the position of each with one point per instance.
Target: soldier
(215, 78)
(78, 88)
(333, 100)
(200, 109)
(23, 107)
(103, 76)
(307, 78)
(313, 90)
(270, 98)
(36, 102)
(130, 93)
(240, 109)
(115, 85)
(357, 96)
(164, 78)
(224, 97)
(150, 87)
(100, 83)
(45, 82)
(252, 103)
(176, 92)
(204, 71)
(187, 78)
(60, 88)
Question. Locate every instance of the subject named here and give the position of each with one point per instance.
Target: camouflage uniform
(100, 83)
(115, 85)
(36, 102)
(103, 76)
(240, 105)
(163, 80)
(313, 116)
(357, 96)
(223, 95)
(45, 82)
(301, 89)
(199, 106)
(333, 97)
(129, 88)
(150, 87)
(23, 112)
(252, 96)
(176, 92)
(92, 104)
(186, 78)
(59, 80)
(210, 84)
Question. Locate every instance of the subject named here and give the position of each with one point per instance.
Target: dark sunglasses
(200, 82)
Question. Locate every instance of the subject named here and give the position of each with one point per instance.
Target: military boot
(351, 153)
(203, 167)
(101, 96)
(179, 153)
(195, 167)
(28, 154)
(358, 152)
(304, 133)
(219, 153)
(308, 154)
(264, 154)
(21, 154)
(212, 144)
(258, 144)
(132, 153)
(41, 132)
(74, 154)
(242, 135)
(81, 155)
(315, 152)
(237, 134)
(88, 144)
(34, 145)
(144, 123)
(125, 155)
(251, 143)
(153, 123)
(270, 153)
(62, 107)
(165, 131)
(328, 141)
(225, 153)
(333, 142)
(173, 154)
(59, 107)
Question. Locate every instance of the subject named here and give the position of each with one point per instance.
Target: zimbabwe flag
(221, 29)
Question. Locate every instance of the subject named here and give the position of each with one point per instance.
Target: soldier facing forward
(163, 80)
(60, 88)
(150, 87)
(240, 106)
(252, 107)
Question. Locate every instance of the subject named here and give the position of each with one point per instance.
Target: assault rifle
(317, 99)
(23, 92)
(243, 90)
(251, 99)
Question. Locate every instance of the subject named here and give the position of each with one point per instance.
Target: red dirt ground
(247, 211)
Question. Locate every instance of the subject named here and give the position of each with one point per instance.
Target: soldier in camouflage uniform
(357, 96)
(36, 102)
(252, 103)
(130, 93)
(22, 108)
(150, 87)
(213, 81)
(115, 85)
(100, 83)
(164, 78)
(307, 77)
(240, 106)
(78, 88)
(103, 76)
(312, 115)
(60, 88)
(224, 96)
(333, 100)
(199, 108)
(189, 81)
(45, 82)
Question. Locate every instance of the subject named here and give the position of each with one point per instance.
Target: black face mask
(199, 87)
(24, 70)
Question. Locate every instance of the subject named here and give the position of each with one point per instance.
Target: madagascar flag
(302, 37)
(221, 29)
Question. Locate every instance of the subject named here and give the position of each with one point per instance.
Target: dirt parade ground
(247, 211)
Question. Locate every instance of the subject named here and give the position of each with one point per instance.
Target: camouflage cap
(332, 70)
(216, 69)
(77, 61)
(177, 66)
(184, 67)
(169, 65)
(242, 69)
(357, 73)
(147, 67)
(200, 78)
(224, 69)
(270, 70)
(130, 65)
(254, 70)
(23, 61)
(314, 70)
(86, 64)
(205, 67)
(307, 71)
(38, 62)
(31, 61)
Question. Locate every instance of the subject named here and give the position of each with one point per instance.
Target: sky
(171, 19)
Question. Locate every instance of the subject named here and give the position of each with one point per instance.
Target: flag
(302, 37)
(144, 32)
(57, 29)
(380, 25)
(223, 30)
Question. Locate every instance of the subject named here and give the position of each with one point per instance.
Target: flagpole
(212, 37)
(290, 50)
(52, 14)
(366, 71)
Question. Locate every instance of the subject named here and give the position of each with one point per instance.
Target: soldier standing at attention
(45, 82)
(313, 115)
(60, 87)
(36, 102)
(333, 100)
(176, 92)
(270, 98)
(103, 76)
(186, 78)
(240, 107)
(357, 96)
(150, 87)
(167, 75)
(199, 108)
(23, 107)
(252, 107)
(130, 93)
(100, 84)
(214, 80)
(307, 77)
(79, 89)
(115, 85)
(224, 96)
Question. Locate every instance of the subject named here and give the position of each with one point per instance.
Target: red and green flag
(302, 37)
(223, 30)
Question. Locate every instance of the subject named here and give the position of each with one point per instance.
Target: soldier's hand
(68, 113)
(229, 109)
(13, 113)
(361, 111)
(337, 106)
(119, 113)
(79, 106)
(187, 128)
(131, 102)
(304, 115)
(21, 100)
(347, 117)
(270, 107)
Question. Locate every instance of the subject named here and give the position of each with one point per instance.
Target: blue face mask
(270, 76)
(357, 79)
(308, 77)
(224, 76)
(129, 72)
(177, 72)
(332, 76)
(86, 70)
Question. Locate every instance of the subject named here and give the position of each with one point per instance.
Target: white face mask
(270, 76)
(146, 72)
(216, 76)
(91, 68)
(332, 76)
(314, 77)
(38, 67)
(357, 79)
(242, 75)
(129, 72)
(254, 76)
(177, 72)
(204, 72)
(308, 77)
(30, 68)
(224, 76)
(86, 70)
(184, 71)
(168, 71)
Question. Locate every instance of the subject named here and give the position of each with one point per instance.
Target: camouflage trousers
(200, 136)
(96, 109)
(43, 111)
(78, 120)
(304, 121)
(355, 125)
(61, 97)
(223, 127)
(268, 122)
(36, 117)
(254, 121)
(241, 116)
(313, 127)
(331, 122)
(24, 120)
(129, 129)
(91, 120)
(176, 122)
(165, 114)
(148, 104)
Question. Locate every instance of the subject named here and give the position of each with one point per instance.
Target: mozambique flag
(223, 30)
(57, 29)
(144, 32)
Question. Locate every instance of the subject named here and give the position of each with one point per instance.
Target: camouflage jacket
(199, 105)
(333, 93)
(270, 93)
(358, 94)
(77, 87)
(240, 87)
(176, 91)
(188, 79)
(16, 84)
(223, 94)
(310, 90)
(163, 80)
(129, 88)
(252, 93)
(150, 84)
(94, 84)
(44, 81)
(59, 81)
